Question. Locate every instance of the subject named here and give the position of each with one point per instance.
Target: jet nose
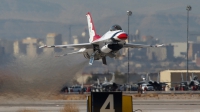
(122, 36)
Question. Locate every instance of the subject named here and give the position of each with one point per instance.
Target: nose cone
(122, 36)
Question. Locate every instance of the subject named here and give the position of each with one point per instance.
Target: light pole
(188, 8)
(129, 13)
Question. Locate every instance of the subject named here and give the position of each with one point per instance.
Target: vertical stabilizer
(150, 78)
(98, 82)
(191, 78)
(105, 80)
(182, 77)
(91, 28)
(113, 78)
(158, 77)
(146, 78)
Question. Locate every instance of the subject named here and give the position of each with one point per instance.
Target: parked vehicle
(65, 89)
(147, 87)
(75, 88)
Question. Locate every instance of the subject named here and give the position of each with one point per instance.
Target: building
(198, 38)
(53, 39)
(194, 48)
(7, 46)
(147, 38)
(76, 40)
(19, 48)
(174, 76)
(84, 38)
(32, 46)
(198, 59)
(180, 49)
(160, 53)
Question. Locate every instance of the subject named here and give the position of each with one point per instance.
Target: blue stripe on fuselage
(112, 38)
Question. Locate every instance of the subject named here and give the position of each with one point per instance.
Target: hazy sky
(165, 16)
(170, 6)
(61, 10)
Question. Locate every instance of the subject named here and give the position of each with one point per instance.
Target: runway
(167, 105)
(144, 105)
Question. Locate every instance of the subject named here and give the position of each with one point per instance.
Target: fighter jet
(158, 86)
(145, 83)
(100, 47)
(194, 82)
(107, 83)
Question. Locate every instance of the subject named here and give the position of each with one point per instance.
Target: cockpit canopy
(195, 78)
(115, 27)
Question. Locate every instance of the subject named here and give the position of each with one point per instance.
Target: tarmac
(172, 105)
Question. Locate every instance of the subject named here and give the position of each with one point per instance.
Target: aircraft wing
(83, 45)
(132, 45)
(80, 51)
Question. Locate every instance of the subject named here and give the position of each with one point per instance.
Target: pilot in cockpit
(115, 27)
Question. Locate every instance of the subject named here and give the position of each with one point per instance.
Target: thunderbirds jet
(106, 85)
(157, 84)
(111, 82)
(99, 47)
(194, 81)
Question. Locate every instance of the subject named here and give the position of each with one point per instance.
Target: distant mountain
(37, 10)
(36, 18)
(18, 29)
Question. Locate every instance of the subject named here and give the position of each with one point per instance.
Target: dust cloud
(25, 76)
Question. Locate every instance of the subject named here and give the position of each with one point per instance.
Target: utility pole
(188, 8)
(129, 13)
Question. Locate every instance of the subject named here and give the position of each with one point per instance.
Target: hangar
(174, 76)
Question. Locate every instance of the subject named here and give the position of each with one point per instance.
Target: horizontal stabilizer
(80, 51)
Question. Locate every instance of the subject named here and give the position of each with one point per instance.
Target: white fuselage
(111, 37)
(108, 45)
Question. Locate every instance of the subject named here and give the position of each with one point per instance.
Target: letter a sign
(106, 101)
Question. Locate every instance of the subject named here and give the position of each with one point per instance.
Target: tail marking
(91, 28)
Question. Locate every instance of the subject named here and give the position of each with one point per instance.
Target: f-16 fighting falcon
(99, 47)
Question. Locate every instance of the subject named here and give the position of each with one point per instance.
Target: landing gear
(92, 57)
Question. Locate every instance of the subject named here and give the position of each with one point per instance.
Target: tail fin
(150, 78)
(158, 77)
(105, 79)
(191, 78)
(113, 78)
(91, 28)
(147, 75)
(182, 77)
(98, 82)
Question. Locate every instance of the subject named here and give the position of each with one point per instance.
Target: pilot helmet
(115, 27)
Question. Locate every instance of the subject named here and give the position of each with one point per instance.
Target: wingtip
(43, 46)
